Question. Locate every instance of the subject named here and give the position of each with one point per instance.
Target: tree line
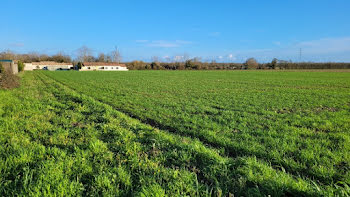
(35, 57)
(187, 65)
(85, 54)
(250, 63)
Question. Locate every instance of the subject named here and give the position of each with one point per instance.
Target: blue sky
(224, 30)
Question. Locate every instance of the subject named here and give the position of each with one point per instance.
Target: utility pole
(300, 55)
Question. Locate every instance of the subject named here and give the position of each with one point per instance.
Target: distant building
(9, 66)
(47, 65)
(102, 66)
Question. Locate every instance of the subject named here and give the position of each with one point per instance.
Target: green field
(176, 133)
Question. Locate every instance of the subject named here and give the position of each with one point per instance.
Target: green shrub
(20, 66)
(155, 66)
(79, 65)
(251, 63)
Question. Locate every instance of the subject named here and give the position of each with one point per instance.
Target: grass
(163, 133)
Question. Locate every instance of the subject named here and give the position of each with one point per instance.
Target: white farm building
(48, 65)
(103, 66)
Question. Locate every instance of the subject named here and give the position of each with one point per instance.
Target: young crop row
(218, 173)
(297, 123)
(55, 141)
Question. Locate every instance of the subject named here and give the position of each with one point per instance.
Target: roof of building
(52, 63)
(6, 60)
(103, 64)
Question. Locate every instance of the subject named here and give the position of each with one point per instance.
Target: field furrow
(291, 131)
(150, 133)
(217, 172)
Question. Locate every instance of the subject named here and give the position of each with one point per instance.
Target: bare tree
(197, 59)
(84, 54)
(34, 56)
(178, 58)
(90, 58)
(186, 57)
(181, 58)
(101, 57)
(59, 57)
(44, 57)
(116, 56)
(108, 58)
(8, 54)
(155, 59)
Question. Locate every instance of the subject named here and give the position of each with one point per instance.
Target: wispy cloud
(318, 50)
(326, 45)
(141, 41)
(324, 49)
(277, 43)
(168, 44)
(19, 44)
(215, 34)
(195, 29)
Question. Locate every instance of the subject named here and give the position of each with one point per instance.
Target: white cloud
(167, 58)
(231, 57)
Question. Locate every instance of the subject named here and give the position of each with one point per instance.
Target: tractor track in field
(155, 124)
(232, 152)
(62, 87)
(170, 165)
(151, 122)
(41, 77)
